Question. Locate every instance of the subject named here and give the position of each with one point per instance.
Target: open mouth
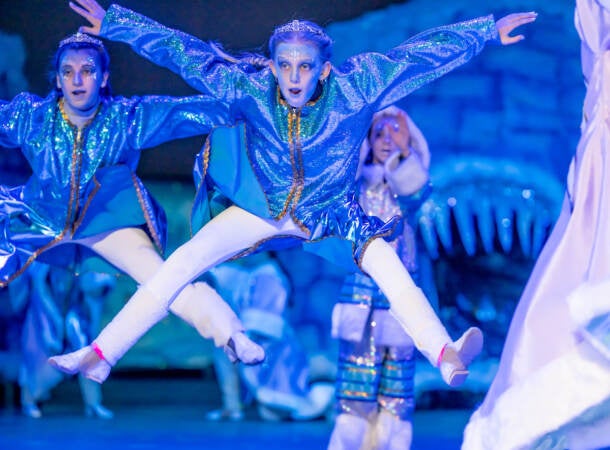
(294, 91)
(78, 92)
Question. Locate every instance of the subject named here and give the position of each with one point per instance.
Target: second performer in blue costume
(303, 122)
(83, 199)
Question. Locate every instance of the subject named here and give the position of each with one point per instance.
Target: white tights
(235, 230)
(229, 233)
(408, 304)
(132, 251)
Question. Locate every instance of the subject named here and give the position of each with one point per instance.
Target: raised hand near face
(507, 24)
(403, 135)
(92, 11)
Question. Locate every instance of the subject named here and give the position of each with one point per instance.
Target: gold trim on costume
(147, 217)
(76, 161)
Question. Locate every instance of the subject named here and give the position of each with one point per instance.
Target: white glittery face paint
(88, 69)
(80, 80)
(297, 66)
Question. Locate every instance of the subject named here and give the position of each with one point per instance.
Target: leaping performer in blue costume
(301, 122)
(83, 200)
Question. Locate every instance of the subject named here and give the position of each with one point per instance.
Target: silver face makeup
(298, 68)
(80, 80)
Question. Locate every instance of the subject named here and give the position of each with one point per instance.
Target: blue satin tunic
(83, 181)
(304, 160)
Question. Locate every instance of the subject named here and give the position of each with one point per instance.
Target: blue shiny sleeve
(157, 119)
(383, 79)
(191, 58)
(14, 119)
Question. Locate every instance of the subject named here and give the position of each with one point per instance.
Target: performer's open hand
(93, 12)
(508, 23)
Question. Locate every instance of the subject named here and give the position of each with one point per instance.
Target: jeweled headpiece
(296, 26)
(79, 37)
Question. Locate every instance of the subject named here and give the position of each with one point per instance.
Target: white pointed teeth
(504, 226)
(489, 204)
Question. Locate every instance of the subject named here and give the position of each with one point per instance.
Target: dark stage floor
(168, 413)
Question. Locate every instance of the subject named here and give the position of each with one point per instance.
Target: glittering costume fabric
(302, 162)
(83, 181)
(376, 357)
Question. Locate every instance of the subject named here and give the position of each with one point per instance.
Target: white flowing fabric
(548, 378)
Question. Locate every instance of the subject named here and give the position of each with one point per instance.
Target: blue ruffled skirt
(339, 233)
(115, 198)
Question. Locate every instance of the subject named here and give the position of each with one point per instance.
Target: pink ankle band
(438, 361)
(98, 351)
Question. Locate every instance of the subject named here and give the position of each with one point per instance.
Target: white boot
(458, 355)
(412, 310)
(391, 433)
(409, 306)
(202, 308)
(431, 338)
(349, 432)
(85, 361)
(241, 348)
(143, 310)
(140, 313)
